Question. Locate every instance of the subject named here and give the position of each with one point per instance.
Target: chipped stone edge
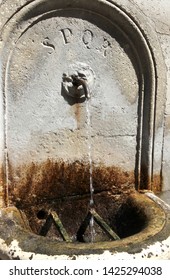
(159, 251)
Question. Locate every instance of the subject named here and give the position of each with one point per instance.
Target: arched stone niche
(40, 40)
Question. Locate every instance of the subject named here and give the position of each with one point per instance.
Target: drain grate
(53, 218)
(104, 226)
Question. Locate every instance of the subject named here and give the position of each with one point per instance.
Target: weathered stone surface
(40, 44)
(122, 52)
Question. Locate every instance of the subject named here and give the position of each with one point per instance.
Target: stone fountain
(57, 57)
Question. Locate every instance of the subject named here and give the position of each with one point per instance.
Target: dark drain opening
(42, 214)
(130, 219)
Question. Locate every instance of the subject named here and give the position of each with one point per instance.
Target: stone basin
(142, 222)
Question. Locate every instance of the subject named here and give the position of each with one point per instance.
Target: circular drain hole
(42, 214)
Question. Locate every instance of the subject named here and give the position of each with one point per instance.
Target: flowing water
(88, 111)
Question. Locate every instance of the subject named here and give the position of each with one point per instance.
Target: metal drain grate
(54, 219)
(104, 226)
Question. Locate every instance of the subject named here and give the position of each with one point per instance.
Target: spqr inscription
(87, 37)
(67, 35)
(46, 43)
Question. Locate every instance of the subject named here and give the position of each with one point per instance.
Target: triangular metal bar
(106, 228)
(53, 218)
(60, 227)
(45, 228)
(83, 227)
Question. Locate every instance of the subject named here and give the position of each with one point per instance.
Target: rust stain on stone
(51, 180)
(3, 189)
(77, 113)
(147, 183)
(156, 186)
(63, 187)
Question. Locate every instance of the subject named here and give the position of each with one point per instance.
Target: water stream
(88, 112)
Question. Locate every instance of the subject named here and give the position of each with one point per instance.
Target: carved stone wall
(118, 47)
